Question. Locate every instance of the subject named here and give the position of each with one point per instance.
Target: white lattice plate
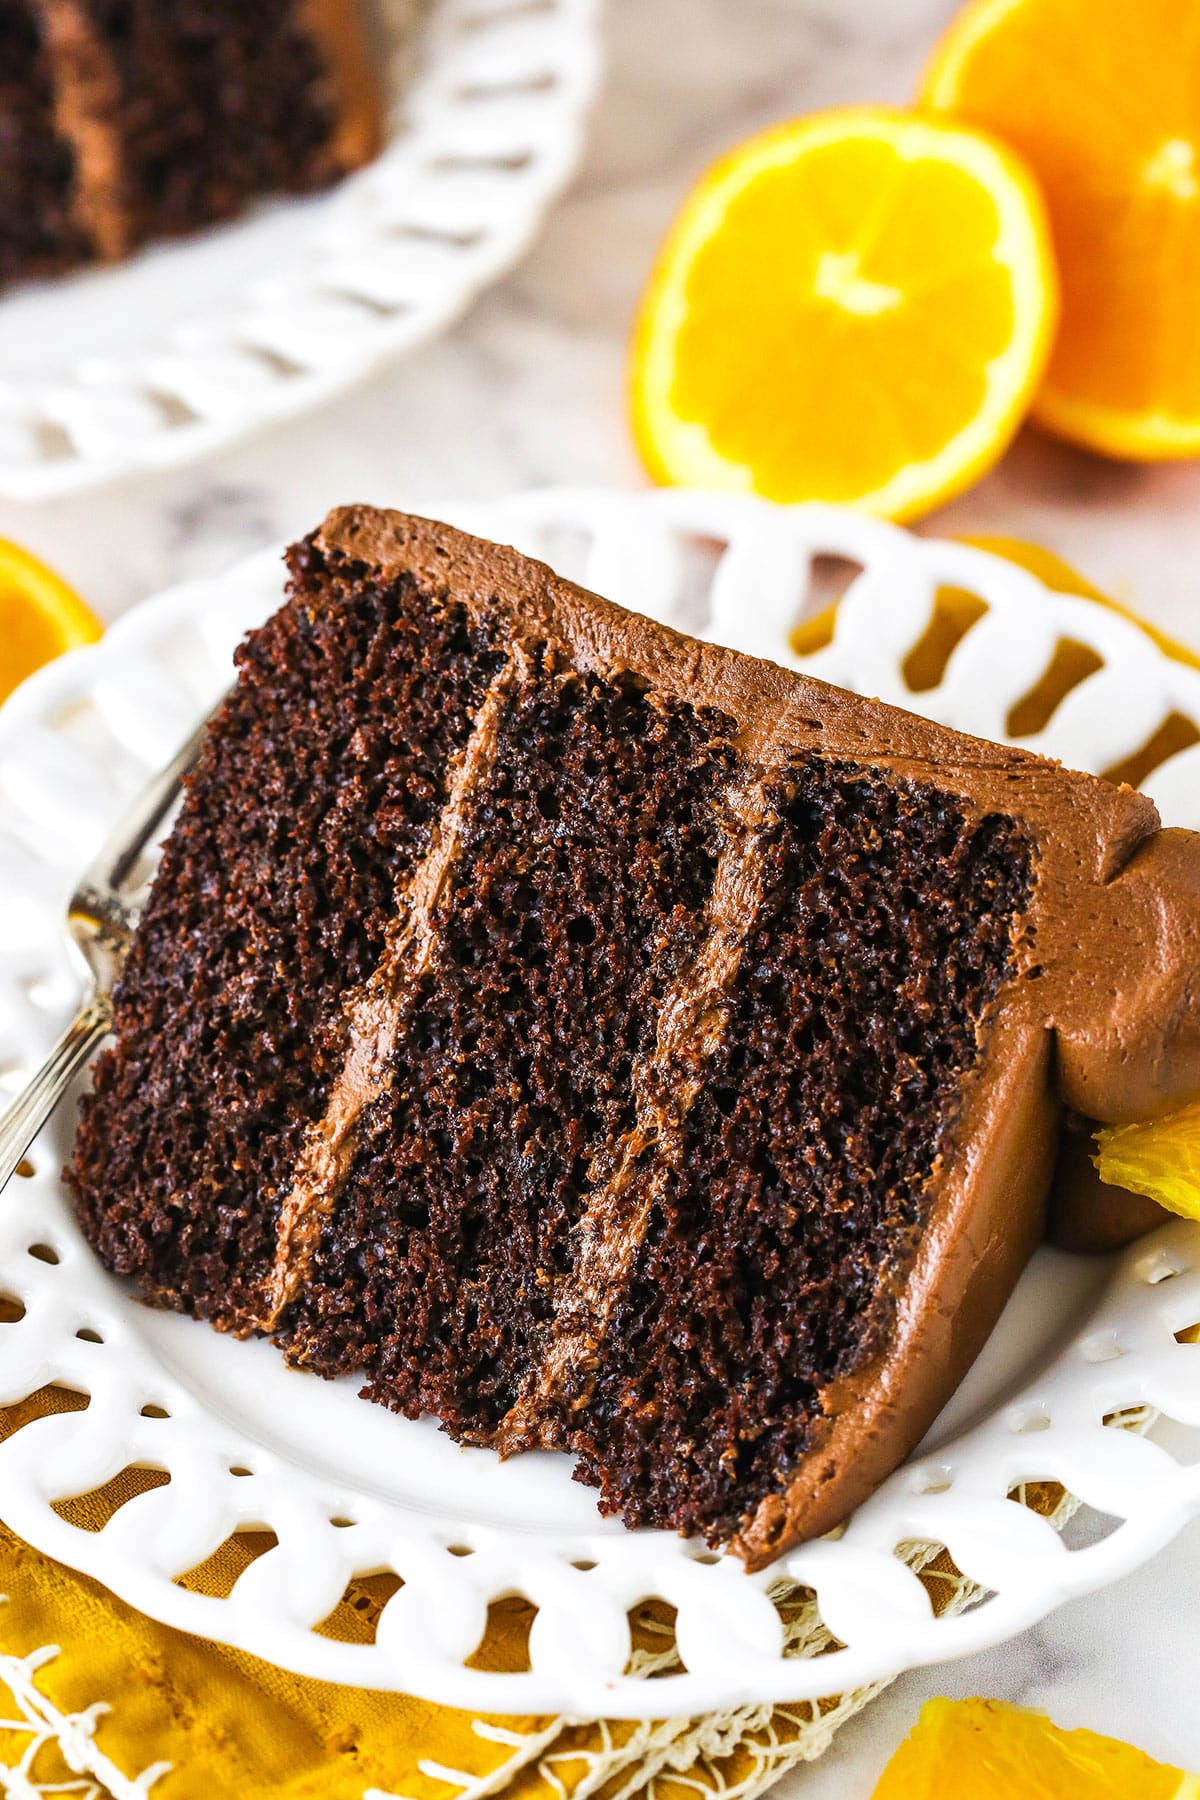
(191, 344)
(348, 1489)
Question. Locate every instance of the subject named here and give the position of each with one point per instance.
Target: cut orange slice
(984, 1750)
(855, 307)
(1102, 99)
(40, 616)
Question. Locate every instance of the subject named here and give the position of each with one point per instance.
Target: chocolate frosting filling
(613, 1225)
(375, 1013)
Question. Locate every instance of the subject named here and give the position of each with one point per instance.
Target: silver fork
(101, 918)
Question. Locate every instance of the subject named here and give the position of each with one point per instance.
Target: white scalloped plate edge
(136, 693)
(488, 122)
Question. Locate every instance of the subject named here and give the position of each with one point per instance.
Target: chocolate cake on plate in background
(127, 120)
(605, 1041)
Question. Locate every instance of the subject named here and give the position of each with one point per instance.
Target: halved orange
(853, 307)
(40, 616)
(1102, 99)
(984, 1750)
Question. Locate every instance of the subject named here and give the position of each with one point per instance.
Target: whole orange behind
(40, 616)
(1102, 99)
(984, 1750)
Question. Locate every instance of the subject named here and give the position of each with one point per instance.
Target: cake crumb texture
(611, 1044)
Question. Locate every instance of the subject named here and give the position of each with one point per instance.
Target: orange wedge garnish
(40, 616)
(983, 1750)
(1159, 1158)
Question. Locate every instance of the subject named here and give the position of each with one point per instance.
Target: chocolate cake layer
(612, 1043)
(800, 1179)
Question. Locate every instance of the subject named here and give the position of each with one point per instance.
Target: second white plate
(192, 344)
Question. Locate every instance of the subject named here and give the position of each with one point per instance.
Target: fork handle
(21, 1122)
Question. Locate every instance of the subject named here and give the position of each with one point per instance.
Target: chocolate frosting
(1086, 1214)
(1101, 1013)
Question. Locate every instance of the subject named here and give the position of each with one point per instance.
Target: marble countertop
(529, 389)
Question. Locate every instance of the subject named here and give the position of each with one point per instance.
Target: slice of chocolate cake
(606, 1041)
(39, 234)
(127, 120)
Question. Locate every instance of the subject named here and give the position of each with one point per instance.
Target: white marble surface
(529, 389)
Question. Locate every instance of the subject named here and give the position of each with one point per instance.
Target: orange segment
(40, 616)
(1160, 1158)
(984, 1750)
(1102, 99)
(854, 307)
